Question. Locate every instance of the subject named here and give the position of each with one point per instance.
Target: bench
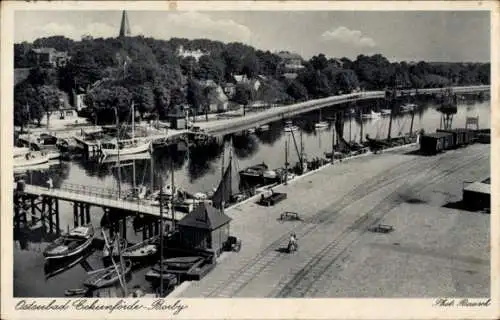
(272, 199)
(289, 216)
(382, 228)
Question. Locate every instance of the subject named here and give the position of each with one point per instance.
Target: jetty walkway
(100, 197)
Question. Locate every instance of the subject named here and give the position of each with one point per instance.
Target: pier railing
(100, 197)
(94, 191)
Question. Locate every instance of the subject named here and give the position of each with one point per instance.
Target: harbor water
(199, 169)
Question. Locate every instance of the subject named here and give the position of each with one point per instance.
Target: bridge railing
(93, 191)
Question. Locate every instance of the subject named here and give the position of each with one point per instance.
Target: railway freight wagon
(433, 143)
(461, 137)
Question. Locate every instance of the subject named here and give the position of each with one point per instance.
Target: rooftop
(205, 216)
(478, 187)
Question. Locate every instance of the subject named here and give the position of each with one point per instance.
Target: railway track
(303, 283)
(240, 278)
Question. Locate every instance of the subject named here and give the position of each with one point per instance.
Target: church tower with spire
(125, 26)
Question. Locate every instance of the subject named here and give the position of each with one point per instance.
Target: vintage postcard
(249, 160)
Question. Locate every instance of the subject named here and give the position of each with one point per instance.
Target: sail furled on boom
(223, 192)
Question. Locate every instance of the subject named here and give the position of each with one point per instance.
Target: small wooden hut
(205, 228)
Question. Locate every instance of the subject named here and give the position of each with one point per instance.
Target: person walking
(50, 183)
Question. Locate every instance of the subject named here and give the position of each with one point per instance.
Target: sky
(454, 36)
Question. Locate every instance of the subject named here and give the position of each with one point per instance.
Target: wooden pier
(86, 195)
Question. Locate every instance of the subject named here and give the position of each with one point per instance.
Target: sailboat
(321, 124)
(371, 115)
(407, 107)
(385, 112)
(126, 146)
(289, 126)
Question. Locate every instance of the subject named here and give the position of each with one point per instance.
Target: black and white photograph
(247, 153)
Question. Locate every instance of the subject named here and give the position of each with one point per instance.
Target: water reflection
(245, 145)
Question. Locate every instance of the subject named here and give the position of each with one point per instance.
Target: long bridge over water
(227, 126)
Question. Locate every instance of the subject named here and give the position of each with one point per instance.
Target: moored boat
(408, 107)
(178, 263)
(70, 244)
(290, 128)
(264, 127)
(385, 112)
(107, 276)
(20, 151)
(321, 125)
(31, 158)
(371, 115)
(254, 173)
(124, 147)
(154, 275)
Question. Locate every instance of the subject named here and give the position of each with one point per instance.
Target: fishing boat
(178, 263)
(54, 267)
(264, 127)
(70, 244)
(20, 151)
(321, 124)
(254, 173)
(32, 158)
(107, 276)
(116, 146)
(408, 107)
(155, 276)
(141, 250)
(371, 115)
(290, 128)
(385, 112)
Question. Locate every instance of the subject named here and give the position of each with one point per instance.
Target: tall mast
(286, 160)
(174, 191)
(121, 273)
(390, 120)
(162, 233)
(152, 173)
(231, 164)
(361, 131)
(333, 138)
(133, 121)
(411, 124)
(118, 155)
(350, 118)
(222, 203)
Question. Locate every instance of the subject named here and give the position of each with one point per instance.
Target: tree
(144, 99)
(161, 100)
(251, 66)
(195, 96)
(27, 105)
(268, 62)
(242, 95)
(43, 76)
(104, 99)
(189, 66)
(50, 99)
(81, 70)
(177, 97)
(319, 62)
(210, 69)
(297, 91)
